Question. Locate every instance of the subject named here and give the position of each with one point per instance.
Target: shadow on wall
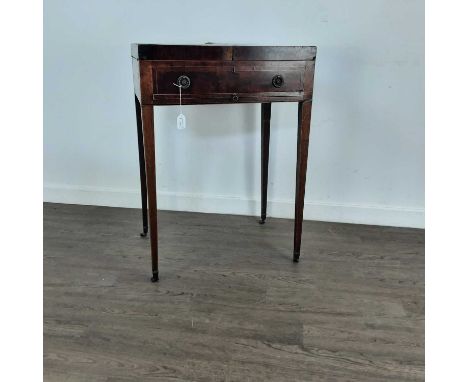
(206, 130)
(339, 101)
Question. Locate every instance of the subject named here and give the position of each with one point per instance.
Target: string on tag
(180, 97)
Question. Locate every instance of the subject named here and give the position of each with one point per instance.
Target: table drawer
(229, 79)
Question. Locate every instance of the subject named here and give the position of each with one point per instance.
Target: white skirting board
(227, 204)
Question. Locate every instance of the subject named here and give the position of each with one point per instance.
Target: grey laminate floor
(231, 305)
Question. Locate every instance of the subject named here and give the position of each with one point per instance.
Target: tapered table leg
(141, 157)
(150, 161)
(303, 131)
(266, 116)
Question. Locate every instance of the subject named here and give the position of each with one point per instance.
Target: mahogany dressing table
(221, 74)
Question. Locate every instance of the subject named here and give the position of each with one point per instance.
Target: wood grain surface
(231, 306)
(222, 52)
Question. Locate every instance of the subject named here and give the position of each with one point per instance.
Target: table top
(223, 52)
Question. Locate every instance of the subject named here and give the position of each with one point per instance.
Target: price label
(180, 117)
(181, 121)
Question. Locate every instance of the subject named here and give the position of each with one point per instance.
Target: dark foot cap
(155, 277)
(143, 234)
(261, 221)
(296, 257)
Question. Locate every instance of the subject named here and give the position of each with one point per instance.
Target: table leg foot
(261, 221)
(155, 277)
(145, 232)
(296, 257)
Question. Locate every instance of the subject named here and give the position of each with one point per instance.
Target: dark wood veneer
(222, 52)
(220, 74)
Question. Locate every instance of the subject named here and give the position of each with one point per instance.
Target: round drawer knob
(183, 82)
(277, 81)
(235, 98)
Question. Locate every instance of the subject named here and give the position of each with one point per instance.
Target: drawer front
(230, 79)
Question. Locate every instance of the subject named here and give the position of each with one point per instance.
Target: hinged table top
(223, 52)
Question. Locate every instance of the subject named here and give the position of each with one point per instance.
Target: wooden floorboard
(231, 305)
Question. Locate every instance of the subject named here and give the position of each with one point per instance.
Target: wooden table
(221, 74)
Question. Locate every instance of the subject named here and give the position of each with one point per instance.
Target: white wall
(366, 156)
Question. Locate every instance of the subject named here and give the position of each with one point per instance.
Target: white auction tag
(180, 117)
(181, 121)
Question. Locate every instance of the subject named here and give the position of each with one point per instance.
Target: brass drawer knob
(277, 81)
(183, 82)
